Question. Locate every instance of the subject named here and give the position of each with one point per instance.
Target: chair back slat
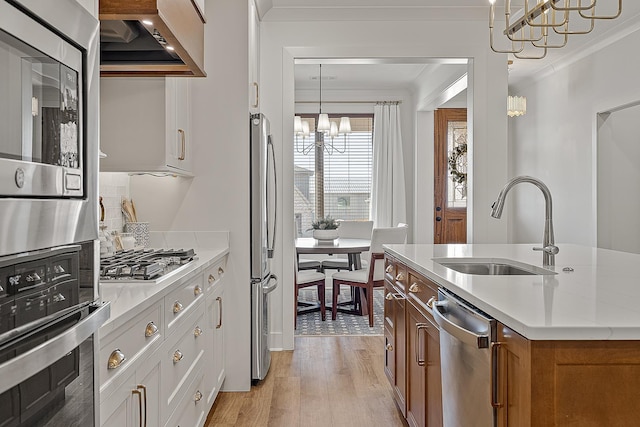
(384, 236)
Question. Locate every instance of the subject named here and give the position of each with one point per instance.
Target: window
(329, 182)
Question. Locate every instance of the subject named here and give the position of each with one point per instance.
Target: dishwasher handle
(464, 335)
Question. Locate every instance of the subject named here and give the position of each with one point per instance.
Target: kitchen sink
(491, 266)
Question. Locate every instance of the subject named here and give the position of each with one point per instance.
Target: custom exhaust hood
(151, 38)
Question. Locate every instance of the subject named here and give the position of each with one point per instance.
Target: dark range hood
(151, 38)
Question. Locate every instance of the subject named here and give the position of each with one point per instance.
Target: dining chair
(373, 276)
(349, 230)
(305, 279)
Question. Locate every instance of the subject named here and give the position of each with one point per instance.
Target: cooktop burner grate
(143, 264)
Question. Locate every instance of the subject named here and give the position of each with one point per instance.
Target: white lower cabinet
(214, 356)
(136, 401)
(170, 364)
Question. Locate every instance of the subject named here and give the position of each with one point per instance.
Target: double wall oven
(50, 308)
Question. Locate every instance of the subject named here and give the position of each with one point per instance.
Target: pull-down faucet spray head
(549, 249)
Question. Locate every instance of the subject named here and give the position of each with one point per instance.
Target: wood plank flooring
(326, 381)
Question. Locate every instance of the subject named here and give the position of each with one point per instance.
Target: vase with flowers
(325, 229)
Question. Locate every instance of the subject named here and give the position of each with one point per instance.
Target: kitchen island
(566, 349)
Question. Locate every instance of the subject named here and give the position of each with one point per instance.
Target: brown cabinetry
(412, 358)
(566, 383)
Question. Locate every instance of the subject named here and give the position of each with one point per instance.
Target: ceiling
(336, 10)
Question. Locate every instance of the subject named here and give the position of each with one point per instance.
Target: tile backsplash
(113, 187)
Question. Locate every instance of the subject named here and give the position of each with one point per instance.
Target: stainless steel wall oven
(49, 252)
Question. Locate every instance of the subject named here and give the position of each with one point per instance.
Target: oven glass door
(48, 371)
(40, 109)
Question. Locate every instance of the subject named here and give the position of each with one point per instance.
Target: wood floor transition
(326, 381)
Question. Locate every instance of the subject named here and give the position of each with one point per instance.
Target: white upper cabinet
(145, 125)
(254, 58)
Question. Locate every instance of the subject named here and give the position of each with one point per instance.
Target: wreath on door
(458, 163)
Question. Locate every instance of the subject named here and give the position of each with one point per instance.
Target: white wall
(281, 42)
(218, 197)
(555, 141)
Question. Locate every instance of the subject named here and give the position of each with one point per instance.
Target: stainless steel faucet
(549, 249)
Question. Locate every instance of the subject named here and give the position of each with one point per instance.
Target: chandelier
(325, 132)
(547, 24)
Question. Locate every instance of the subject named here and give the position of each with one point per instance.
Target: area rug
(345, 324)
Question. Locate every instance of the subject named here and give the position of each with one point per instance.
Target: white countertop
(599, 300)
(127, 296)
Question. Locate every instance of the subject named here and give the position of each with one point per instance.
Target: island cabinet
(412, 357)
(164, 364)
(566, 383)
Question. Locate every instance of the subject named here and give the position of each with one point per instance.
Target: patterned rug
(345, 324)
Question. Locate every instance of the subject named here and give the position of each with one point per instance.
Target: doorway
(450, 175)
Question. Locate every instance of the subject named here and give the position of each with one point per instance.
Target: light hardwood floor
(326, 381)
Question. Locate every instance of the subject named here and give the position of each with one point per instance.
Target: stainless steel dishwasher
(466, 334)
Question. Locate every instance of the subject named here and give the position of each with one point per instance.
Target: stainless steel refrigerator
(263, 229)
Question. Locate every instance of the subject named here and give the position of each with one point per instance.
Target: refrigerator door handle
(271, 243)
(270, 288)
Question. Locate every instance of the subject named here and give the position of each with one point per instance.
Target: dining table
(353, 248)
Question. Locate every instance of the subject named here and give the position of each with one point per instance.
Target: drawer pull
(389, 268)
(400, 277)
(58, 298)
(150, 330)
(177, 356)
(197, 331)
(414, 288)
(198, 396)
(177, 307)
(430, 303)
(197, 290)
(116, 359)
(211, 279)
(220, 271)
(389, 296)
(389, 347)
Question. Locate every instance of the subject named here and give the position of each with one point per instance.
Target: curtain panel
(388, 195)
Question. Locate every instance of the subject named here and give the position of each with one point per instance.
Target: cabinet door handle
(183, 144)
(211, 279)
(144, 389)
(198, 396)
(414, 288)
(197, 331)
(389, 296)
(418, 347)
(400, 277)
(177, 356)
(150, 330)
(219, 325)
(197, 290)
(220, 271)
(495, 383)
(177, 307)
(257, 87)
(116, 359)
(139, 394)
(389, 269)
(389, 347)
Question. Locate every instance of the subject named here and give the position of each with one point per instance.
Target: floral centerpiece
(325, 228)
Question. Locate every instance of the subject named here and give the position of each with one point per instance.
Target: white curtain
(388, 197)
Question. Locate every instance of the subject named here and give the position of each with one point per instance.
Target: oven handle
(18, 369)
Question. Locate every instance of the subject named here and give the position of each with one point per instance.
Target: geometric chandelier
(547, 24)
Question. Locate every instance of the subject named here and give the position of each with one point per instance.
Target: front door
(450, 169)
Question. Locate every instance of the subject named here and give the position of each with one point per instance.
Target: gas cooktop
(143, 264)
